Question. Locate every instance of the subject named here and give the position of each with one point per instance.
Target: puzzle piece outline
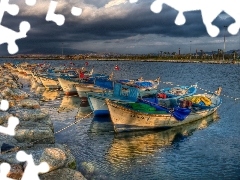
(12, 121)
(7, 35)
(59, 19)
(31, 171)
(4, 105)
(4, 170)
(209, 12)
(10, 129)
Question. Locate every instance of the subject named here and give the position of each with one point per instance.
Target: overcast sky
(115, 26)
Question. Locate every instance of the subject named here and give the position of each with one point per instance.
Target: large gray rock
(55, 157)
(4, 116)
(6, 92)
(71, 161)
(29, 103)
(29, 114)
(10, 84)
(16, 171)
(33, 132)
(19, 94)
(62, 174)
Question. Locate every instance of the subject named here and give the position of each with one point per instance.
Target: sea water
(206, 149)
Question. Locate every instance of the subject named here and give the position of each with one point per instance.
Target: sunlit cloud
(115, 3)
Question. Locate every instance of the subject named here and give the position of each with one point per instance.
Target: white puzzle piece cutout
(76, 11)
(59, 19)
(4, 105)
(30, 2)
(4, 170)
(12, 121)
(10, 129)
(7, 35)
(209, 10)
(31, 171)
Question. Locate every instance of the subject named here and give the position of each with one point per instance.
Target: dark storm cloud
(140, 20)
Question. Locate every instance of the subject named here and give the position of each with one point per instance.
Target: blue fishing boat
(146, 115)
(120, 92)
(124, 91)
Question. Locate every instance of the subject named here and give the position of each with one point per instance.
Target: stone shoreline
(34, 134)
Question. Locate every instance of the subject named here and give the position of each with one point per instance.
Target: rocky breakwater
(34, 135)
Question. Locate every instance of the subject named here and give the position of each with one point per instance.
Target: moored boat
(50, 82)
(123, 90)
(122, 93)
(100, 85)
(69, 85)
(146, 87)
(144, 143)
(148, 115)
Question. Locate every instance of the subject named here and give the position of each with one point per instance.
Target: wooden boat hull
(84, 89)
(97, 101)
(125, 119)
(50, 83)
(98, 105)
(150, 142)
(68, 86)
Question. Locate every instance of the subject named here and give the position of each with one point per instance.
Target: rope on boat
(234, 98)
(76, 121)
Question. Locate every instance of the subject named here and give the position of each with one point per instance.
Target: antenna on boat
(218, 91)
(195, 85)
(157, 80)
(111, 76)
(91, 72)
(140, 79)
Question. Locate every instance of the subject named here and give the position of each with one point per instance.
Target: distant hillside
(56, 51)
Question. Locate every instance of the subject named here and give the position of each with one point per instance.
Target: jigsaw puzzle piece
(232, 9)
(76, 11)
(31, 171)
(12, 9)
(209, 11)
(208, 18)
(4, 170)
(9, 36)
(12, 123)
(4, 105)
(59, 19)
(30, 2)
(180, 6)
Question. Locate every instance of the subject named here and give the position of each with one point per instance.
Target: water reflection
(49, 95)
(131, 145)
(69, 103)
(84, 110)
(101, 124)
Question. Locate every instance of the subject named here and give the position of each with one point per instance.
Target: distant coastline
(208, 61)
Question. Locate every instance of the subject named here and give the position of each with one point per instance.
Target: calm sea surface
(206, 149)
